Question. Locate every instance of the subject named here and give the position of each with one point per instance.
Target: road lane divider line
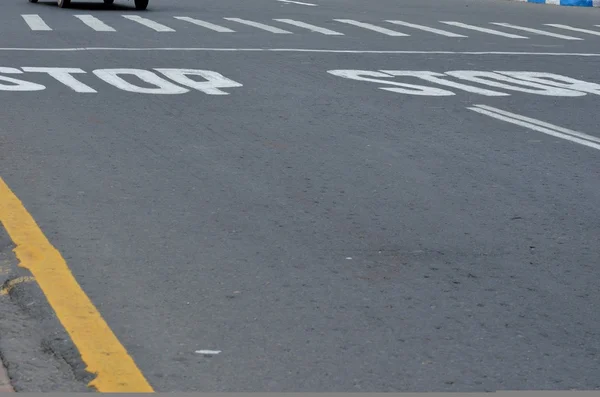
(36, 23)
(149, 23)
(299, 50)
(101, 351)
(207, 25)
(310, 27)
(426, 28)
(259, 25)
(567, 27)
(536, 31)
(94, 23)
(375, 28)
(484, 30)
(541, 123)
(537, 125)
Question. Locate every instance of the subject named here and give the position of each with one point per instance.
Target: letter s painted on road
(16, 84)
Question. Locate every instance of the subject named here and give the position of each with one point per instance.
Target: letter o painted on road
(161, 86)
(214, 81)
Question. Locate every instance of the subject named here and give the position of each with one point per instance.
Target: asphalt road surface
(271, 195)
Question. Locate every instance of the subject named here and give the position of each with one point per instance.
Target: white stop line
(538, 83)
(139, 81)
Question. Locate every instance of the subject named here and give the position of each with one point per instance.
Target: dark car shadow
(93, 6)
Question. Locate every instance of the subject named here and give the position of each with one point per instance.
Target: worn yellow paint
(100, 349)
(11, 284)
(4, 269)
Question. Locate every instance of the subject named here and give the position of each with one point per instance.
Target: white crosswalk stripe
(204, 24)
(35, 22)
(149, 23)
(374, 28)
(571, 28)
(536, 31)
(310, 27)
(95, 23)
(426, 28)
(258, 25)
(483, 30)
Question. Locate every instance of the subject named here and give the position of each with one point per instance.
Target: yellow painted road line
(100, 349)
(11, 284)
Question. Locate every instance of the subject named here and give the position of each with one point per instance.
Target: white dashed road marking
(258, 25)
(35, 22)
(374, 28)
(483, 30)
(567, 27)
(426, 28)
(149, 23)
(536, 31)
(204, 24)
(94, 23)
(310, 27)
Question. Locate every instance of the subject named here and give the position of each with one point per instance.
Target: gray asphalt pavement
(325, 233)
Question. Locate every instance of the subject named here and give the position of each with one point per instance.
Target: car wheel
(141, 4)
(64, 3)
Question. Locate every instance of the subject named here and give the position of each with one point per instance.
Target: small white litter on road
(298, 2)
(208, 352)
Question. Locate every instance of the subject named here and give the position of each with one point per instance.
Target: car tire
(64, 3)
(141, 4)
